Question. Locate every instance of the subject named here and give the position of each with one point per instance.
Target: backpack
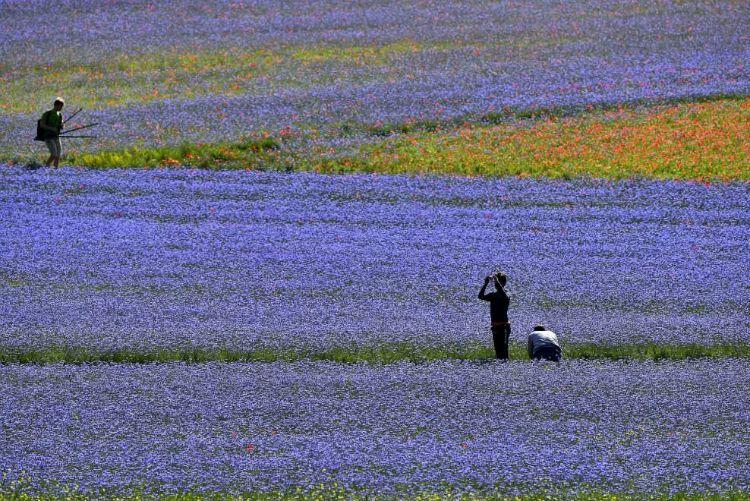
(42, 134)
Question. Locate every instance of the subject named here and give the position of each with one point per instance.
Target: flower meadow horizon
(175, 259)
(150, 72)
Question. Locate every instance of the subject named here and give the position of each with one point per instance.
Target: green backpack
(41, 133)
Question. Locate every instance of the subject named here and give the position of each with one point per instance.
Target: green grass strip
(323, 492)
(248, 153)
(380, 354)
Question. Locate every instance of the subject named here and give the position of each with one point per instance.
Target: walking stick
(68, 137)
(78, 128)
(74, 114)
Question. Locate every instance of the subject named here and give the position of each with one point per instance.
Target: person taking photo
(499, 301)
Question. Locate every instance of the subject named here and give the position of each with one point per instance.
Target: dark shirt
(499, 302)
(53, 119)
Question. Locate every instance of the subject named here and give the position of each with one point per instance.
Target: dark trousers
(550, 353)
(500, 337)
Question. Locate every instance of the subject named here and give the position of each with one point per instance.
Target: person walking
(543, 345)
(499, 301)
(51, 124)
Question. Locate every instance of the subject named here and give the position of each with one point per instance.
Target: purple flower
(505, 429)
(167, 259)
(349, 63)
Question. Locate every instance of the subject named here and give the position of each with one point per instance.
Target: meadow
(260, 280)
(243, 262)
(192, 83)
(398, 430)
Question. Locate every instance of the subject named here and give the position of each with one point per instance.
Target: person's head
(500, 279)
(59, 103)
(539, 327)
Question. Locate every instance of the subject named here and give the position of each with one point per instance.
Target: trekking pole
(68, 137)
(79, 128)
(71, 116)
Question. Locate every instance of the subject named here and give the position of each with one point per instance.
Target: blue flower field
(160, 260)
(259, 280)
(398, 430)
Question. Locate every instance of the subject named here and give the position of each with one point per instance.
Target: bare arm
(501, 291)
(482, 295)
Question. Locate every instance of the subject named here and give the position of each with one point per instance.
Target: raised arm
(500, 290)
(482, 295)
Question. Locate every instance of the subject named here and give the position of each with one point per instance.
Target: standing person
(499, 302)
(543, 344)
(51, 124)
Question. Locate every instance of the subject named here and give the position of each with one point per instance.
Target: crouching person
(543, 345)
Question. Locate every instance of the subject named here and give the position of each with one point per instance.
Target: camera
(498, 277)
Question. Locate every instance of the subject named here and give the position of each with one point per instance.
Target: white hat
(59, 100)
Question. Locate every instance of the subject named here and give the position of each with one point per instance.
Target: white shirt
(540, 339)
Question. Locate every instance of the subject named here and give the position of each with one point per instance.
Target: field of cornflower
(176, 260)
(457, 427)
(320, 335)
(329, 79)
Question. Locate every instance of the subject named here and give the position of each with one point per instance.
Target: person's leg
(504, 332)
(51, 148)
(540, 354)
(548, 353)
(58, 151)
(497, 341)
(507, 341)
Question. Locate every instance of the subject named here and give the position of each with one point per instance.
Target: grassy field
(149, 76)
(691, 141)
